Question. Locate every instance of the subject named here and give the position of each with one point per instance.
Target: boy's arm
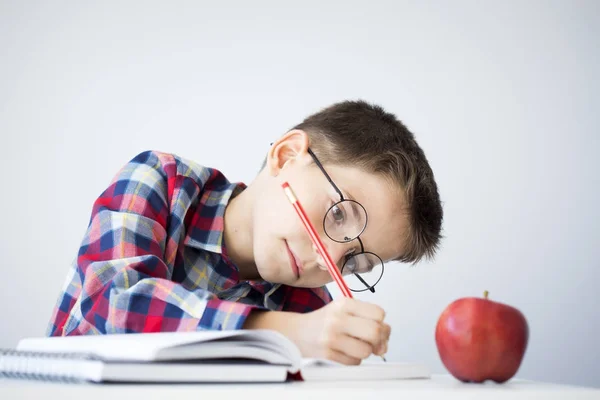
(121, 281)
(302, 300)
(297, 301)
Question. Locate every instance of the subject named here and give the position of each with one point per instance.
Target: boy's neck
(237, 234)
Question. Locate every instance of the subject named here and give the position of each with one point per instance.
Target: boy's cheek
(318, 277)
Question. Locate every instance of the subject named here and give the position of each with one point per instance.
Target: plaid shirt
(153, 259)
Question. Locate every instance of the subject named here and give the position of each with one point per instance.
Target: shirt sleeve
(302, 300)
(121, 281)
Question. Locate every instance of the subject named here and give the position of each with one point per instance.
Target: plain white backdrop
(502, 96)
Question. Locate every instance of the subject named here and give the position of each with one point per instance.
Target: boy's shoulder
(170, 162)
(156, 165)
(154, 181)
(164, 175)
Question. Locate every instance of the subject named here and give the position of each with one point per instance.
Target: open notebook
(203, 356)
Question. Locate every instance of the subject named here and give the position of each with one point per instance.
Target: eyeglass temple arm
(316, 160)
(372, 289)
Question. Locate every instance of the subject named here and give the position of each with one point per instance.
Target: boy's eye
(348, 256)
(350, 265)
(338, 214)
(359, 264)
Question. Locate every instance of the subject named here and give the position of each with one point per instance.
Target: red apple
(479, 339)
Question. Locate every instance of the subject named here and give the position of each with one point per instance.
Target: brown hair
(365, 135)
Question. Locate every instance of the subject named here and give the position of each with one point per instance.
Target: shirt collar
(206, 229)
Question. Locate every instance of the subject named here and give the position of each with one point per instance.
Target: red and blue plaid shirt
(153, 258)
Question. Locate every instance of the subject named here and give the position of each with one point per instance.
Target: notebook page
(368, 370)
(130, 346)
(266, 345)
(163, 345)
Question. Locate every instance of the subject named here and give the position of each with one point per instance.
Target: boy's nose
(336, 252)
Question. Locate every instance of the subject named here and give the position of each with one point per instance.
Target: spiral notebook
(184, 357)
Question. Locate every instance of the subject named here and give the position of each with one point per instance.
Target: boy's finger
(341, 357)
(364, 329)
(387, 330)
(365, 310)
(352, 347)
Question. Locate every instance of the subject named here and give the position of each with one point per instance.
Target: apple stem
(485, 294)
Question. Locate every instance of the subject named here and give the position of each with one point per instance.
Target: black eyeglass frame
(362, 248)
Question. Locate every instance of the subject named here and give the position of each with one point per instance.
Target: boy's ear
(291, 147)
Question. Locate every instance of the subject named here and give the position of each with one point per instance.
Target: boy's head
(370, 157)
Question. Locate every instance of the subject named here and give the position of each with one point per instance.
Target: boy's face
(283, 251)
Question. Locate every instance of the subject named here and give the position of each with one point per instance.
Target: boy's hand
(345, 330)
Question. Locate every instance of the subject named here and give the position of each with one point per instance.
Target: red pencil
(333, 270)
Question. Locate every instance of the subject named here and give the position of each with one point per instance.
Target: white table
(439, 386)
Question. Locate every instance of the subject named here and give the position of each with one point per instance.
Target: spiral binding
(44, 366)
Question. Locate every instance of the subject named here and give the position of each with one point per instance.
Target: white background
(502, 96)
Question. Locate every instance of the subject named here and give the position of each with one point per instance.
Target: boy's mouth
(294, 262)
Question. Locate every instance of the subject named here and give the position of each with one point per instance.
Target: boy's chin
(272, 275)
(276, 276)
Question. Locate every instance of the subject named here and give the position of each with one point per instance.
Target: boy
(174, 246)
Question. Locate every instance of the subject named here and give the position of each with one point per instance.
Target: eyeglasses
(344, 221)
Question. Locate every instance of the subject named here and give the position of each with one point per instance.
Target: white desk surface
(439, 386)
